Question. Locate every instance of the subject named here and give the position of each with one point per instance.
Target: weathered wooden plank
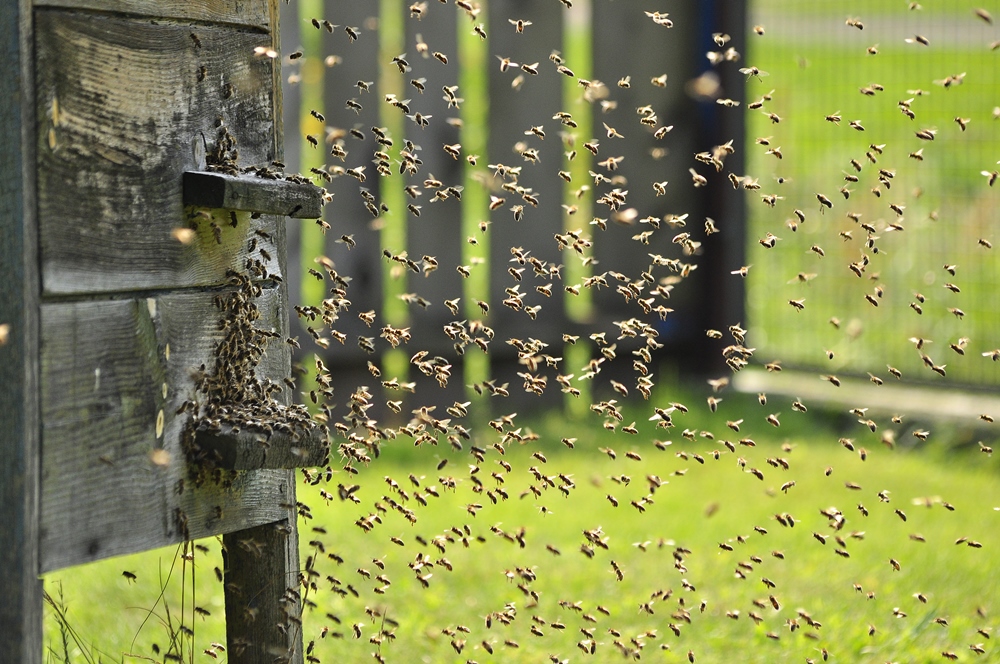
(21, 608)
(725, 295)
(114, 474)
(263, 608)
(622, 47)
(437, 231)
(358, 61)
(255, 449)
(512, 113)
(288, 198)
(125, 107)
(251, 13)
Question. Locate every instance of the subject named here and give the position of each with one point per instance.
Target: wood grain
(122, 114)
(300, 200)
(254, 449)
(20, 587)
(251, 13)
(107, 375)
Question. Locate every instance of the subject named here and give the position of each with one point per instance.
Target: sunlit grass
(709, 504)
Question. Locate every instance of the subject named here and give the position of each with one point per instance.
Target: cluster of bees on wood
(235, 397)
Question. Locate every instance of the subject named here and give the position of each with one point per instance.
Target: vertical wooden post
(20, 587)
(263, 611)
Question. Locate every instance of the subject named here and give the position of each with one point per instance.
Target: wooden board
(106, 378)
(252, 13)
(21, 610)
(282, 197)
(512, 113)
(122, 114)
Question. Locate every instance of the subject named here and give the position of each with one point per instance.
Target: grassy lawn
(698, 507)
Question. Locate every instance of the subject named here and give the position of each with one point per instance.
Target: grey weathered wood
(727, 295)
(254, 449)
(122, 104)
(625, 49)
(363, 262)
(252, 13)
(437, 231)
(511, 114)
(300, 200)
(263, 608)
(20, 587)
(104, 367)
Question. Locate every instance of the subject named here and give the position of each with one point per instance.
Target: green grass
(948, 205)
(711, 503)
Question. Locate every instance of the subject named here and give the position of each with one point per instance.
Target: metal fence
(897, 71)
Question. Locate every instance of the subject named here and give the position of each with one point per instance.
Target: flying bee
(519, 24)
(753, 72)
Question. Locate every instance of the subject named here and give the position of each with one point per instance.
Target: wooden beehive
(131, 213)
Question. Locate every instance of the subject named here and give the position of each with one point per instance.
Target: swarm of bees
(671, 605)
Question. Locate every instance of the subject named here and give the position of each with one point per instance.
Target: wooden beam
(301, 200)
(252, 450)
(20, 587)
(262, 578)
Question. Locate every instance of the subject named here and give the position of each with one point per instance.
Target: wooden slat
(21, 608)
(621, 43)
(122, 114)
(437, 231)
(107, 376)
(251, 13)
(255, 449)
(511, 114)
(727, 204)
(288, 198)
(362, 263)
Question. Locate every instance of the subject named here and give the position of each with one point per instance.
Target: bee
(661, 18)
(753, 72)
(519, 24)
